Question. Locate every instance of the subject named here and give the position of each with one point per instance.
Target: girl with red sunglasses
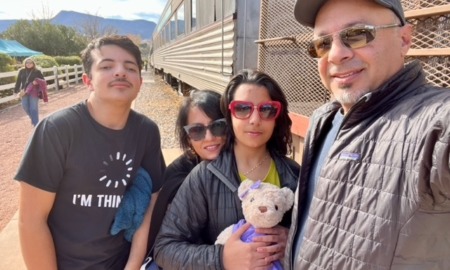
(258, 140)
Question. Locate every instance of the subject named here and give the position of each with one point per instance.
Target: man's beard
(348, 96)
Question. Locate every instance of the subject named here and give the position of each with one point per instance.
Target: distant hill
(74, 19)
(5, 24)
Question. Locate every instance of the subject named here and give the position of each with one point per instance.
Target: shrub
(45, 61)
(68, 60)
(6, 65)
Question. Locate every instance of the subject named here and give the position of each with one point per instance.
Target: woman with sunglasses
(258, 140)
(201, 129)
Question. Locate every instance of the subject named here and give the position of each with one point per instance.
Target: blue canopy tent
(15, 49)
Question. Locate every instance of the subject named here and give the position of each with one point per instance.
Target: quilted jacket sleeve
(437, 162)
(434, 170)
(179, 243)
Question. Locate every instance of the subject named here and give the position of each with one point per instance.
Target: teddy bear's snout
(262, 209)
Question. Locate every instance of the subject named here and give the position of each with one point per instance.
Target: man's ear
(406, 36)
(86, 80)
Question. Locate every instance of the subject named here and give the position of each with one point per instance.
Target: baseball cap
(305, 11)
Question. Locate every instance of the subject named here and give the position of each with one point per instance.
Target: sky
(149, 10)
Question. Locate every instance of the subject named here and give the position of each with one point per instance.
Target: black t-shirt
(89, 167)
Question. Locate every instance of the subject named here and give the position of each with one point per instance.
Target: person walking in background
(79, 163)
(374, 189)
(26, 76)
(201, 130)
(258, 139)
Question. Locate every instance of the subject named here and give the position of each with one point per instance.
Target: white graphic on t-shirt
(113, 163)
(82, 199)
(103, 200)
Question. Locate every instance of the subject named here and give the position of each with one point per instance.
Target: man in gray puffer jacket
(374, 190)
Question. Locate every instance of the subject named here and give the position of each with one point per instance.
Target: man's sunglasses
(243, 109)
(353, 37)
(197, 132)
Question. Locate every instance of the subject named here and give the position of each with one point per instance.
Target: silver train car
(202, 43)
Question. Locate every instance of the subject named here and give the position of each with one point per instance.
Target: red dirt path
(15, 130)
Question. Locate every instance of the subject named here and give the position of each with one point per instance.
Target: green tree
(6, 65)
(43, 36)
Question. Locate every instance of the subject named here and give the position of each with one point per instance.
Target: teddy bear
(263, 206)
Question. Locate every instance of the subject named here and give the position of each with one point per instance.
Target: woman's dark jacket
(207, 203)
(174, 175)
(25, 77)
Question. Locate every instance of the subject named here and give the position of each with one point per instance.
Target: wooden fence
(60, 77)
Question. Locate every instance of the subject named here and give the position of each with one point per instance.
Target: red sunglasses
(267, 110)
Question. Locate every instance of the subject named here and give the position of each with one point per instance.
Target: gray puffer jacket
(206, 203)
(382, 200)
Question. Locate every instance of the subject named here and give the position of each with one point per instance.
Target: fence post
(76, 73)
(81, 70)
(67, 75)
(55, 75)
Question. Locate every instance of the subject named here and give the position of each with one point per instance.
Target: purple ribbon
(255, 185)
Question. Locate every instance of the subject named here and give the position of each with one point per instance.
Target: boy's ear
(86, 80)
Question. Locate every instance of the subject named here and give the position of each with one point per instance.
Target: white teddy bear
(263, 205)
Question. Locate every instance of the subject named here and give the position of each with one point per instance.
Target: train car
(202, 43)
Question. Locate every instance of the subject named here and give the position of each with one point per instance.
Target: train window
(193, 15)
(172, 28)
(167, 33)
(229, 7)
(206, 14)
(163, 19)
(180, 20)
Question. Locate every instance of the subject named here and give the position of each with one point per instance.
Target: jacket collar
(224, 167)
(395, 89)
(385, 97)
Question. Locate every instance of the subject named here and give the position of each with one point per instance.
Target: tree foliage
(59, 40)
(6, 65)
(45, 37)
(68, 60)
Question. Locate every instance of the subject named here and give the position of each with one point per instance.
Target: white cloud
(115, 9)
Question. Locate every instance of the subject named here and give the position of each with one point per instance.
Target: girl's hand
(276, 239)
(240, 255)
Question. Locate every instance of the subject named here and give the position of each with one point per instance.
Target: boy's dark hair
(281, 140)
(122, 41)
(206, 100)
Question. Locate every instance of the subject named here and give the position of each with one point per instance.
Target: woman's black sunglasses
(197, 132)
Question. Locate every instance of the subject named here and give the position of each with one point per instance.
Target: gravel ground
(160, 103)
(15, 129)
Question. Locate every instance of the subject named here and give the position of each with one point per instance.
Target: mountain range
(141, 28)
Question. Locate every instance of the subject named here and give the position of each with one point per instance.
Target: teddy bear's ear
(244, 187)
(289, 197)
